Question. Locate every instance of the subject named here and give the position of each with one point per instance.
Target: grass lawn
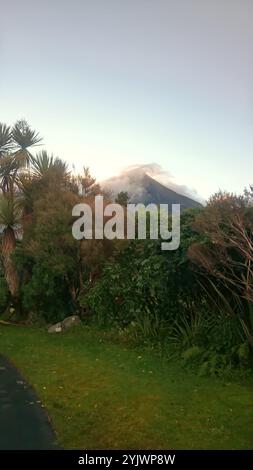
(102, 395)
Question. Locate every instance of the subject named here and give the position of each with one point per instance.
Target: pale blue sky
(110, 83)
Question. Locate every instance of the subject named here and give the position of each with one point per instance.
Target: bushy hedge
(154, 297)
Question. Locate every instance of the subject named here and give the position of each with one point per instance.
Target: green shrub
(155, 299)
(46, 295)
(4, 295)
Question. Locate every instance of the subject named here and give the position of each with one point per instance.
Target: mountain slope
(142, 188)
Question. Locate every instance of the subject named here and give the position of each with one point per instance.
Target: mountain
(142, 188)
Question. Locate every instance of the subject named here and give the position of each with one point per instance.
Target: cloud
(130, 180)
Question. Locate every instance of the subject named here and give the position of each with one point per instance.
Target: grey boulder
(57, 328)
(65, 324)
(70, 321)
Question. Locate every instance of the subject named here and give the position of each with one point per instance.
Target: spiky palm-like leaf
(5, 139)
(10, 212)
(24, 195)
(45, 165)
(9, 168)
(42, 163)
(24, 137)
(61, 169)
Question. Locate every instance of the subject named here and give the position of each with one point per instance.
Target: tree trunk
(10, 272)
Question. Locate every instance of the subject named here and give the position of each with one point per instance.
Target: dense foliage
(195, 303)
(160, 299)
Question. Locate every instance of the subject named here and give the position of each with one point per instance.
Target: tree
(225, 252)
(15, 144)
(10, 218)
(122, 198)
(85, 184)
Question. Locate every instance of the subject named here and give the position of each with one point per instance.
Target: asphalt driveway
(24, 423)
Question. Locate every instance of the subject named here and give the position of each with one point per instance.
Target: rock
(57, 328)
(70, 321)
(65, 324)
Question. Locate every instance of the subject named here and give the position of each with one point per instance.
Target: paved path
(23, 422)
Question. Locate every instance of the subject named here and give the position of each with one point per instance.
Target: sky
(113, 83)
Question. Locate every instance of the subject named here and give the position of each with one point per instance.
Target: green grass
(102, 395)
